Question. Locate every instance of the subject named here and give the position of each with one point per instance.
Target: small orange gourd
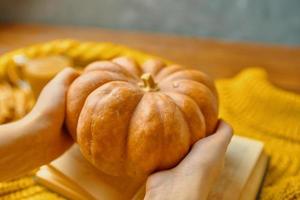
(132, 120)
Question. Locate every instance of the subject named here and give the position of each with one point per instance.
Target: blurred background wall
(274, 21)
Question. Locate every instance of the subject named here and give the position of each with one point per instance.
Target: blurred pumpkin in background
(131, 120)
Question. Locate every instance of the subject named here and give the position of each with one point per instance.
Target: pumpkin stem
(148, 84)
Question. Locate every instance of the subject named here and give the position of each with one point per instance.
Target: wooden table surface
(217, 58)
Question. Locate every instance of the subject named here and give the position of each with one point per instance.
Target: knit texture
(259, 110)
(254, 108)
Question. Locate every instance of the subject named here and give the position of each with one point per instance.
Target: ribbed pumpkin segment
(158, 136)
(192, 114)
(129, 65)
(79, 91)
(201, 94)
(103, 125)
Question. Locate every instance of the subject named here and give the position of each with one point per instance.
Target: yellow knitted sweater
(248, 102)
(258, 110)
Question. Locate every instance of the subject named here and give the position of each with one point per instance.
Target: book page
(241, 158)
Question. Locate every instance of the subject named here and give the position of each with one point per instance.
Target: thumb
(53, 94)
(59, 84)
(210, 151)
(63, 78)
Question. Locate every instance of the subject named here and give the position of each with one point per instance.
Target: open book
(73, 177)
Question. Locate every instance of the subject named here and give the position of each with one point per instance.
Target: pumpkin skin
(127, 125)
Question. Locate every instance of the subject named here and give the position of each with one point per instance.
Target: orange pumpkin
(132, 120)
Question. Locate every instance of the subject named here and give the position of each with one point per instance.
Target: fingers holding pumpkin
(222, 136)
(53, 94)
(209, 152)
(65, 77)
(218, 140)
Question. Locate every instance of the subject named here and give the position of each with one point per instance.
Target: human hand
(195, 175)
(47, 116)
